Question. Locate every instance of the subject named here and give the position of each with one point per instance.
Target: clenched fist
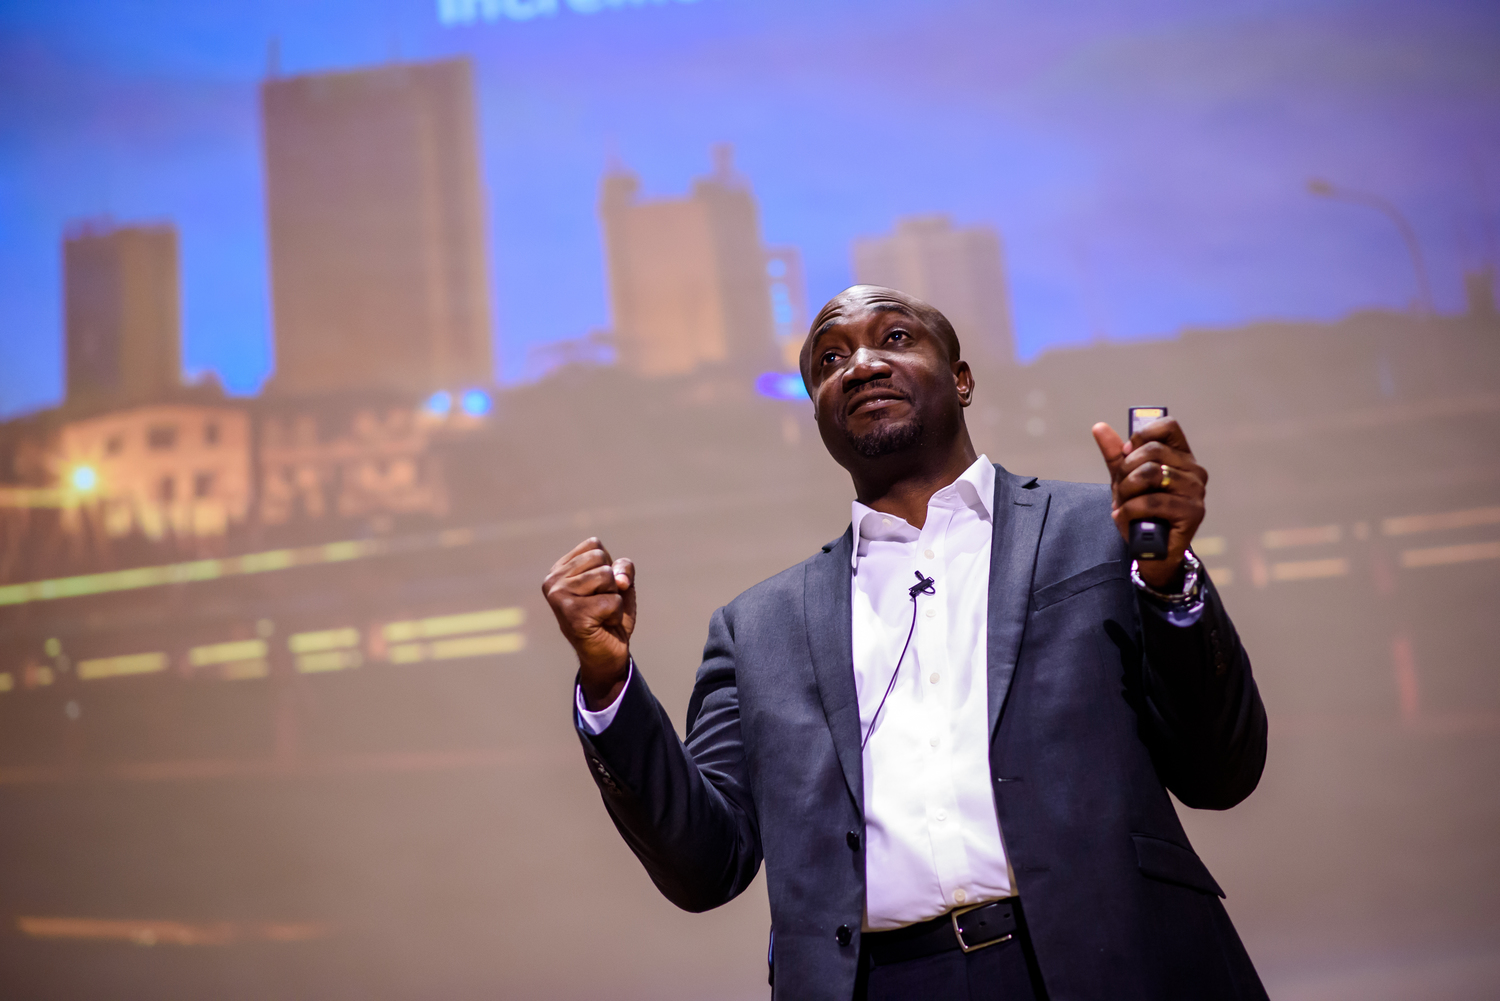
(593, 597)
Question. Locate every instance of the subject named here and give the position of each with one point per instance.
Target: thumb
(625, 580)
(1111, 447)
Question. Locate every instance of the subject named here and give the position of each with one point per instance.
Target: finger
(1181, 512)
(587, 560)
(592, 542)
(1164, 429)
(573, 560)
(1111, 447)
(599, 580)
(1149, 478)
(1158, 452)
(582, 547)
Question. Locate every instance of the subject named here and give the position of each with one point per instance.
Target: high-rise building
(121, 315)
(960, 271)
(377, 230)
(687, 276)
(788, 302)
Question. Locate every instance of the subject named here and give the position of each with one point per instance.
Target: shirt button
(932, 613)
(885, 522)
(943, 815)
(934, 677)
(929, 554)
(934, 742)
(960, 896)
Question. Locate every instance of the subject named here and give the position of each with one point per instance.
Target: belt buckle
(958, 932)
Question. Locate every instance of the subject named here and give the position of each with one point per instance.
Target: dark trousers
(1006, 971)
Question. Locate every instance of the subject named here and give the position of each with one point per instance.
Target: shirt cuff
(595, 723)
(1180, 616)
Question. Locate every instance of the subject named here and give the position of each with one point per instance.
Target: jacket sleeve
(1202, 716)
(684, 809)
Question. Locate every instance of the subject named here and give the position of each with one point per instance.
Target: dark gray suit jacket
(1097, 707)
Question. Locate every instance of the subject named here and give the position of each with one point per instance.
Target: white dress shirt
(931, 835)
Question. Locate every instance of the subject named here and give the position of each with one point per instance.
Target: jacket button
(843, 935)
(853, 839)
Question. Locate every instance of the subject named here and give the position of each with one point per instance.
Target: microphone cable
(924, 585)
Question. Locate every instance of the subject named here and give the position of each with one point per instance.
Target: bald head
(857, 299)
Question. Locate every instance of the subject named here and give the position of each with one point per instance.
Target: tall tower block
(687, 276)
(379, 274)
(960, 271)
(121, 312)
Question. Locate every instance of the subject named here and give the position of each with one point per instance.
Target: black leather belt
(965, 928)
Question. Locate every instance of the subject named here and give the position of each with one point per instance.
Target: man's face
(882, 383)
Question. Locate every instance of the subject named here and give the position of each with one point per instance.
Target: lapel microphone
(924, 585)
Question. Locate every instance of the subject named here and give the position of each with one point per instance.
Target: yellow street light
(84, 478)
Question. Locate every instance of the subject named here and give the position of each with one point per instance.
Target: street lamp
(84, 479)
(1326, 189)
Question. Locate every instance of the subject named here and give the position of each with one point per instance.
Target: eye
(897, 336)
(829, 357)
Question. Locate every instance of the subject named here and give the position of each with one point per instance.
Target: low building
(353, 462)
(179, 469)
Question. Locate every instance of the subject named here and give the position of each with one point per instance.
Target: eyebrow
(877, 306)
(818, 335)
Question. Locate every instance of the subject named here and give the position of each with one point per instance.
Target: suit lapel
(830, 640)
(1019, 512)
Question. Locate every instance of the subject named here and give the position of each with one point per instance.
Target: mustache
(877, 391)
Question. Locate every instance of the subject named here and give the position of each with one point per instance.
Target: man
(950, 734)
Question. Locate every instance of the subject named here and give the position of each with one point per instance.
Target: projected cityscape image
(325, 329)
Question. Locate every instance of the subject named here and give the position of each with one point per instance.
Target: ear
(963, 381)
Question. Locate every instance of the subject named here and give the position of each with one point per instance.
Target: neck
(902, 484)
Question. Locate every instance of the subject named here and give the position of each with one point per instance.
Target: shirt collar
(975, 487)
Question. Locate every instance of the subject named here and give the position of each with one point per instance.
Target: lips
(875, 399)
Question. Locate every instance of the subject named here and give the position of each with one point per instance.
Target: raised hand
(593, 597)
(1154, 475)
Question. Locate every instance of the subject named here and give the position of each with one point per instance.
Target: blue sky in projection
(1145, 163)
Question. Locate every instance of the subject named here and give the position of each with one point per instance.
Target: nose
(865, 365)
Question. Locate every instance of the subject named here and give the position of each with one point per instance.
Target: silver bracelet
(1190, 584)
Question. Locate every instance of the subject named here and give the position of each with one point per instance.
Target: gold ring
(1166, 477)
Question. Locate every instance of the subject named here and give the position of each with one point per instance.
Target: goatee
(887, 438)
